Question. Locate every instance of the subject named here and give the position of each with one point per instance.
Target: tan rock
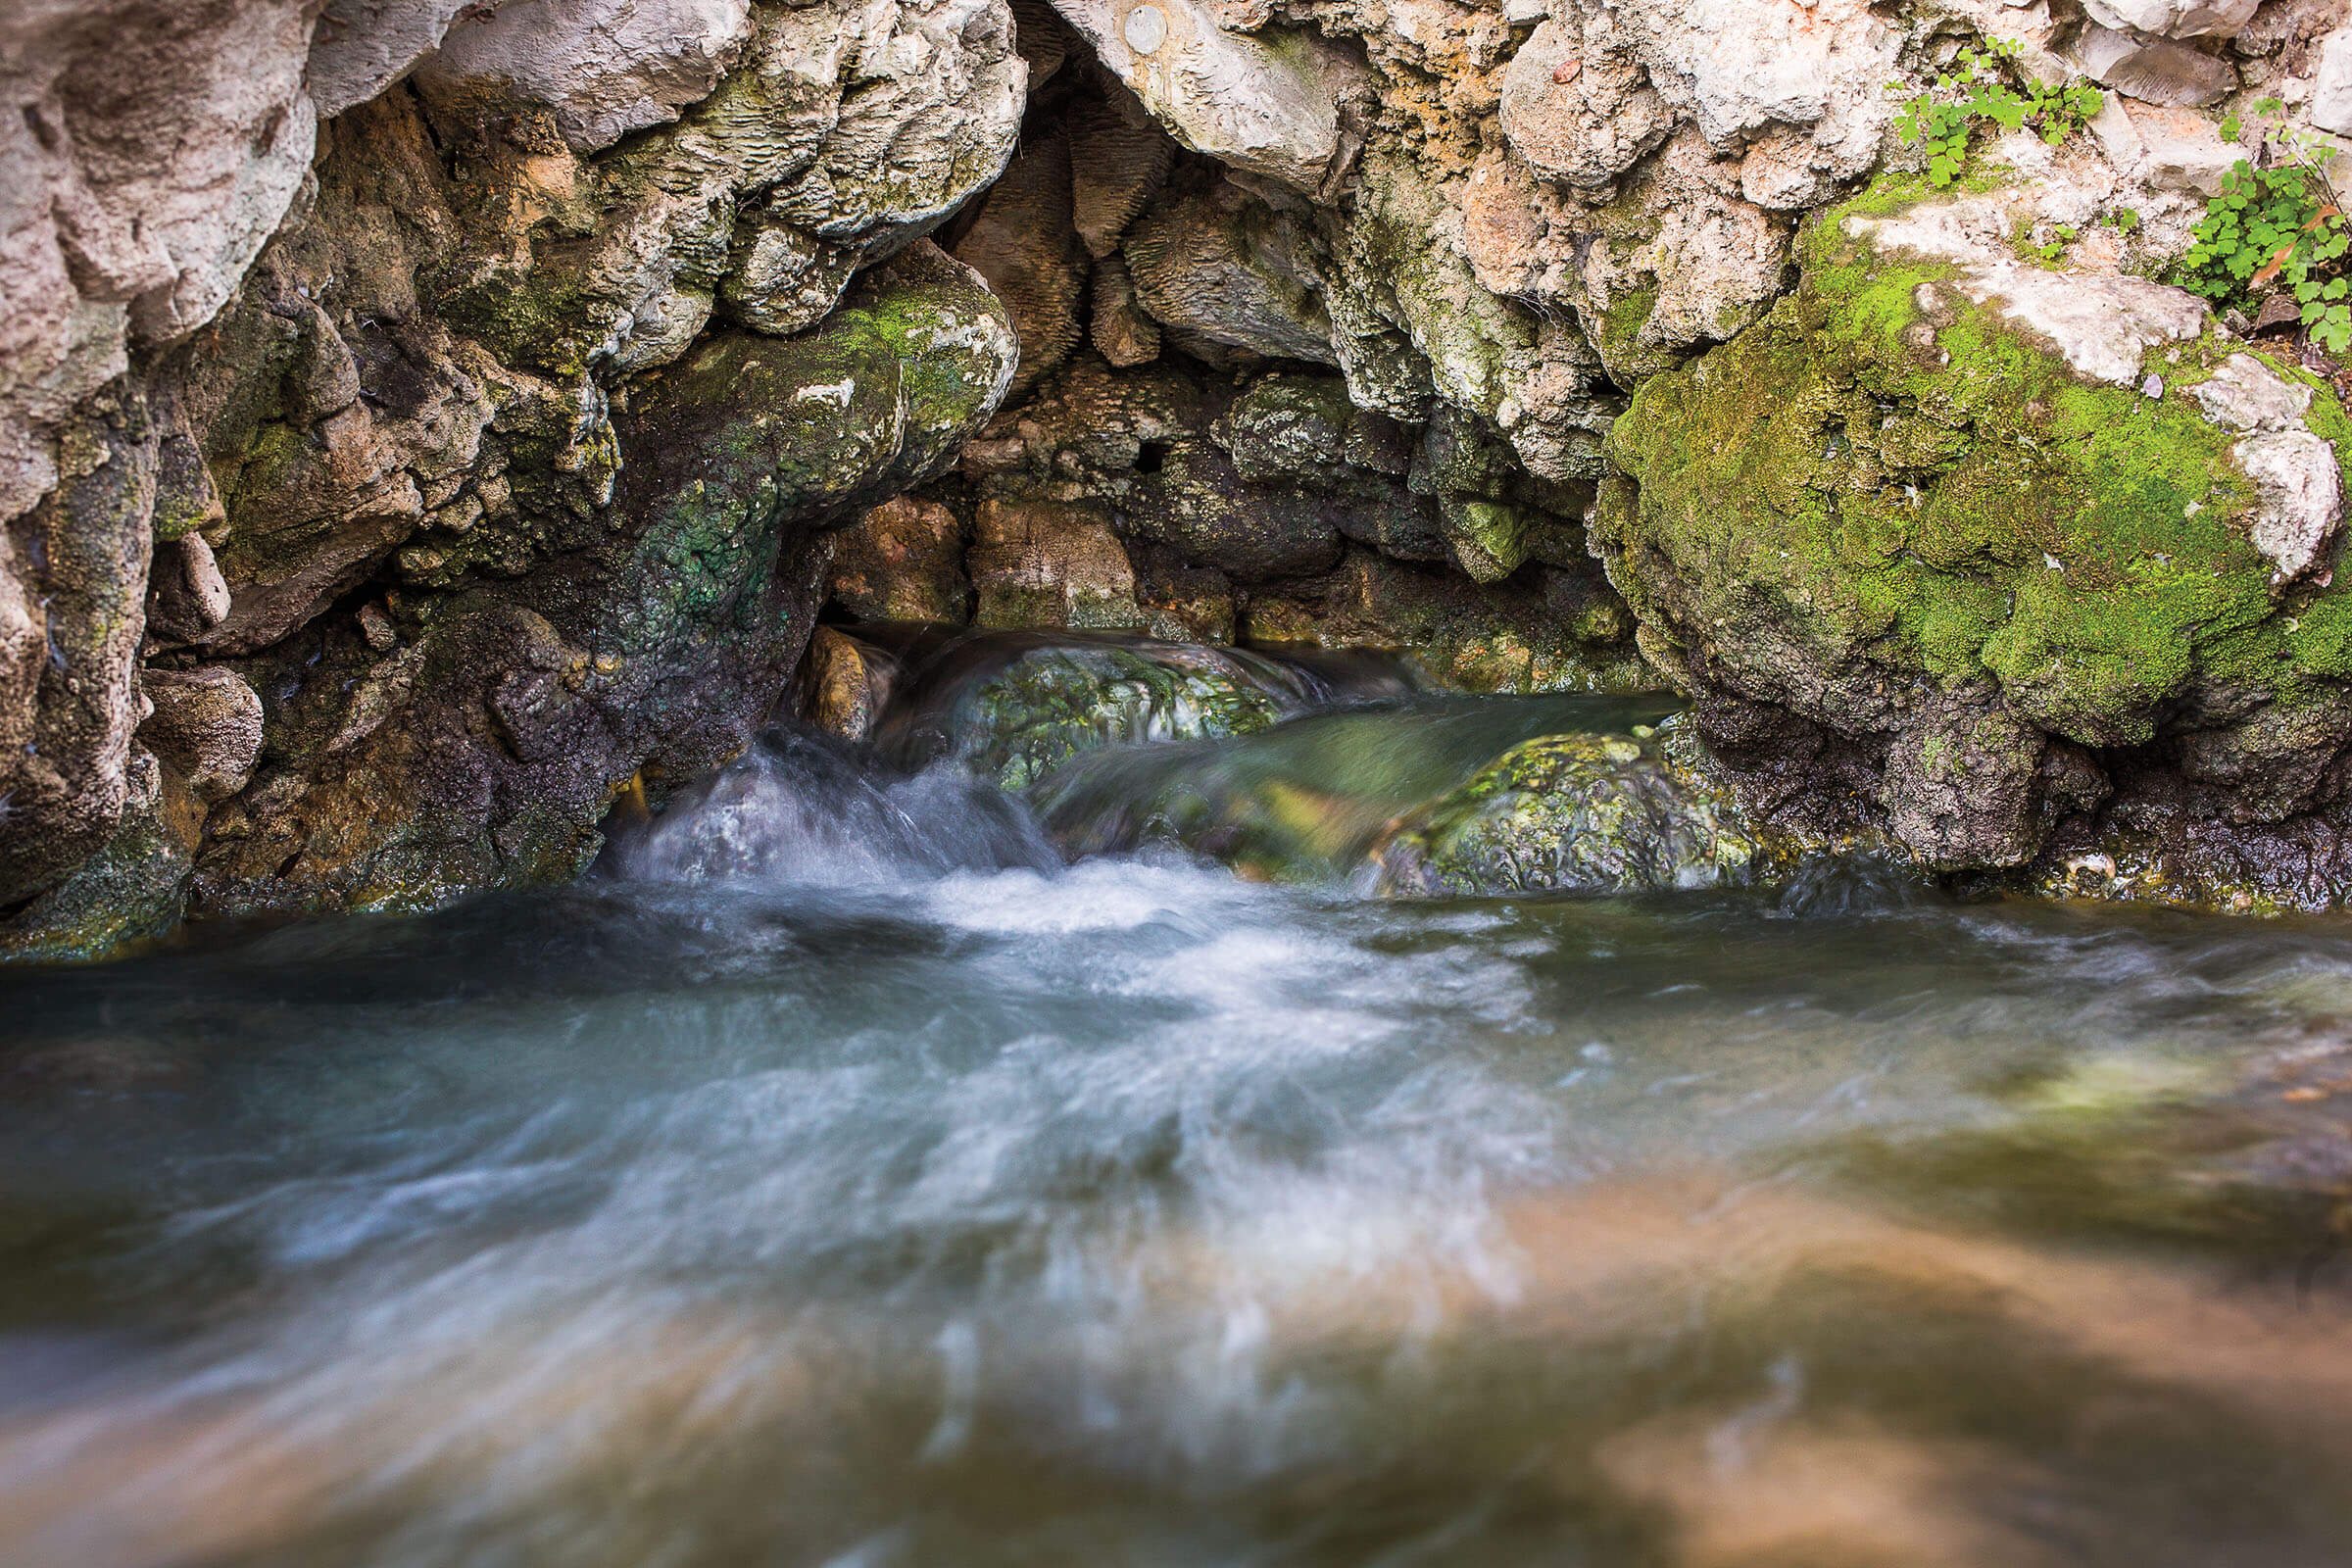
(902, 560)
(1051, 563)
(207, 726)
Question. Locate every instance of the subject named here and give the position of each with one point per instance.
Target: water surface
(841, 1180)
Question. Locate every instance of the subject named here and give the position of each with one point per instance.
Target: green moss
(1880, 465)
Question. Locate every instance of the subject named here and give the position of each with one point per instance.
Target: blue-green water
(841, 1180)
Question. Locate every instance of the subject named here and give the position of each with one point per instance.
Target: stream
(843, 1176)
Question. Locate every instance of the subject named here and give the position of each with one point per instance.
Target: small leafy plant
(2278, 220)
(1978, 87)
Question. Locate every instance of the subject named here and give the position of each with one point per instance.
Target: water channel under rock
(842, 1175)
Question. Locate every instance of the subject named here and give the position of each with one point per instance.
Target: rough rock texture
(369, 353)
(902, 560)
(483, 748)
(1924, 520)
(1017, 718)
(1570, 813)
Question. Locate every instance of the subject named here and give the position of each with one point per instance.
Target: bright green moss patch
(1886, 479)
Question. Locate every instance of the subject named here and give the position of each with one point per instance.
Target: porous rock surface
(479, 387)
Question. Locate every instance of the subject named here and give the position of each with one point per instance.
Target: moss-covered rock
(1979, 525)
(482, 745)
(1305, 801)
(1016, 709)
(1574, 813)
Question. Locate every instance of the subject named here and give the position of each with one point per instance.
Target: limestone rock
(1225, 265)
(1578, 110)
(2154, 70)
(188, 596)
(1118, 157)
(2331, 88)
(600, 68)
(71, 615)
(1023, 244)
(364, 46)
(152, 148)
(1043, 564)
(484, 753)
(1508, 637)
(841, 689)
(1264, 103)
(902, 560)
(1591, 813)
(130, 892)
(2174, 18)
(844, 132)
(1118, 327)
(1955, 533)
(1041, 702)
(207, 726)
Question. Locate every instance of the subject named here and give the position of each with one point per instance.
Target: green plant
(1976, 87)
(2278, 220)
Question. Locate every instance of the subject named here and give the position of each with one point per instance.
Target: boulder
(206, 726)
(1967, 517)
(598, 69)
(1591, 813)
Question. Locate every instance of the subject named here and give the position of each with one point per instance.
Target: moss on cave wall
(1882, 481)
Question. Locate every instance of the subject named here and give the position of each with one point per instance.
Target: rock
(1579, 109)
(1198, 503)
(1267, 104)
(1507, 637)
(844, 132)
(132, 891)
(1119, 158)
(2174, 18)
(2179, 150)
(1023, 244)
(1045, 563)
(1018, 719)
(2330, 107)
(600, 68)
(188, 596)
(1120, 330)
(1224, 266)
(842, 689)
(1570, 813)
(484, 753)
(1940, 521)
(72, 609)
(2155, 71)
(902, 560)
(364, 46)
(2102, 326)
(206, 726)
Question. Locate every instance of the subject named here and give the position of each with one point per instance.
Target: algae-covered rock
(1017, 707)
(1305, 799)
(1572, 813)
(132, 891)
(2001, 536)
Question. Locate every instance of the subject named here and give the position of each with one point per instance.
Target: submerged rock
(1306, 800)
(1571, 813)
(1015, 709)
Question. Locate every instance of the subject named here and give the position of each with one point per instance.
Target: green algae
(1886, 472)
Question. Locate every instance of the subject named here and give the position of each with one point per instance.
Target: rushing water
(841, 1180)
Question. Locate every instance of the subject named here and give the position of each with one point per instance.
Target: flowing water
(841, 1179)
